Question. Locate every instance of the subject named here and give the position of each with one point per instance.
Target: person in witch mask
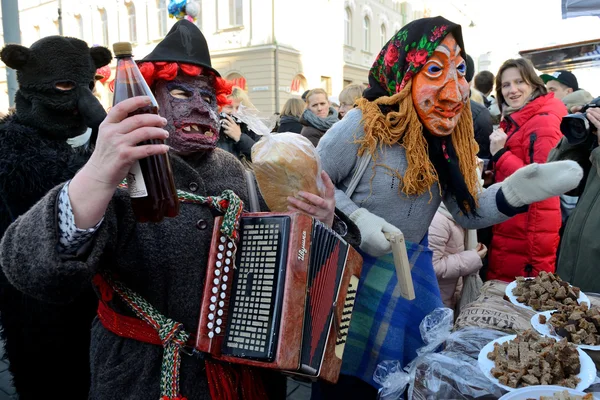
(85, 230)
(414, 128)
(47, 345)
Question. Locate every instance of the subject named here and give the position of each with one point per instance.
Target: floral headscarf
(406, 52)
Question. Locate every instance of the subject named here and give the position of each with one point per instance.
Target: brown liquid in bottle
(150, 181)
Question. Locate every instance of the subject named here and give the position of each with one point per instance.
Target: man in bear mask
(47, 344)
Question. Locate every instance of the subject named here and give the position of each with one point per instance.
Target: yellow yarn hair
(404, 127)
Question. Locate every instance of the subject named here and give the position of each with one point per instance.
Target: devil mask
(190, 106)
(56, 78)
(187, 88)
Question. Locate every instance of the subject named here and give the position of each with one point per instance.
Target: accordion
(280, 298)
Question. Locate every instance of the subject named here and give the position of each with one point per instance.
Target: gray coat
(165, 263)
(579, 251)
(380, 193)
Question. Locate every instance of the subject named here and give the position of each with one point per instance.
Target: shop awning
(570, 56)
(580, 8)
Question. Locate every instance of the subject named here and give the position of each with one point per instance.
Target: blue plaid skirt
(385, 326)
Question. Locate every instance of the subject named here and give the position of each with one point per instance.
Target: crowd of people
(473, 169)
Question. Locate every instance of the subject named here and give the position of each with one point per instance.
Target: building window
(383, 35)
(405, 10)
(104, 26)
(161, 10)
(131, 22)
(326, 84)
(79, 22)
(235, 12)
(230, 13)
(199, 17)
(366, 34)
(348, 27)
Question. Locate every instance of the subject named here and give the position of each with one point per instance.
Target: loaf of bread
(284, 164)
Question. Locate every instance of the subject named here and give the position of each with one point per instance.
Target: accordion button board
(253, 327)
(283, 298)
(218, 281)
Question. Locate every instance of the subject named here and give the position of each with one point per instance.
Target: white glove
(372, 230)
(537, 182)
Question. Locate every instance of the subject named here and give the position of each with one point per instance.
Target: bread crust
(285, 164)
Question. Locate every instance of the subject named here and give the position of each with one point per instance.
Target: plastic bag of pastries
(285, 164)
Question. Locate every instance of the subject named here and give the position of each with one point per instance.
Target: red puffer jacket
(527, 243)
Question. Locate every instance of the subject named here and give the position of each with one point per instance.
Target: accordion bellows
(285, 164)
(287, 304)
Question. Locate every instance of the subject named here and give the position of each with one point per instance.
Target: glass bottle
(150, 180)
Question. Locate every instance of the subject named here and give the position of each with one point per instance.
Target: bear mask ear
(101, 56)
(15, 56)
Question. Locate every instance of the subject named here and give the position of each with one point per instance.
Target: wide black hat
(183, 44)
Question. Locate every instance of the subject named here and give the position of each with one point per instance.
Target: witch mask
(440, 90)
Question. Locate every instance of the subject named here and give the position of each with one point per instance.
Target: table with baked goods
(533, 338)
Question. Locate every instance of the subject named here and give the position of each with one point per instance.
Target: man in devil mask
(47, 344)
(166, 263)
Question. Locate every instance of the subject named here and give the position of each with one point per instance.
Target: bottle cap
(122, 49)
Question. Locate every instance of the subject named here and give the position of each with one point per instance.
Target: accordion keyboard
(256, 298)
(219, 281)
(346, 315)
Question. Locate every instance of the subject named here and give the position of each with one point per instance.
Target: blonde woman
(235, 137)
(318, 117)
(348, 97)
(290, 114)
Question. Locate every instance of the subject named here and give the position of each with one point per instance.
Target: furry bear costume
(47, 344)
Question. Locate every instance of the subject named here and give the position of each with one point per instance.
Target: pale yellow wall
(356, 75)
(310, 36)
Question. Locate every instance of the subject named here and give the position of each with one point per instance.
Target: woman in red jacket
(530, 128)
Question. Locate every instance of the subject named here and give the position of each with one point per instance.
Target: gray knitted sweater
(380, 194)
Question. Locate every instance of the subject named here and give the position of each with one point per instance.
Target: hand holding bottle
(116, 150)
(118, 136)
(150, 179)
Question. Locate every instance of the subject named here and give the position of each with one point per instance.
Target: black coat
(310, 132)
(47, 344)
(242, 148)
(289, 124)
(482, 124)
